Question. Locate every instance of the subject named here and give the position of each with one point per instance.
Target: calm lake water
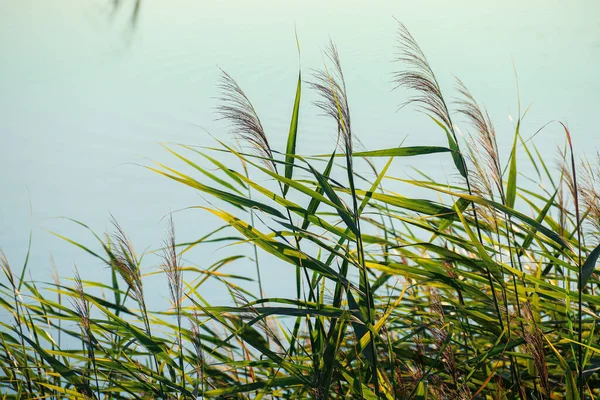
(86, 97)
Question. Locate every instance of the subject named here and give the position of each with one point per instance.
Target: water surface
(85, 96)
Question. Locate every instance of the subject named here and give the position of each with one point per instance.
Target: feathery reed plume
(81, 306)
(589, 192)
(561, 198)
(332, 88)
(535, 347)
(566, 173)
(419, 77)
(237, 109)
(481, 181)
(7, 270)
(253, 314)
(490, 169)
(196, 341)
(334, 102)
(500, 392)
(562, 205)
(198, 361)
(419, 358)
(172, 269)
(440, 335)
(56, 279)
(125, 261)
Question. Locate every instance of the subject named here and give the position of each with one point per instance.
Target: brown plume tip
(237, 109)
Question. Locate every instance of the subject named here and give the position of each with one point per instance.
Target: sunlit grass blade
(290, 150)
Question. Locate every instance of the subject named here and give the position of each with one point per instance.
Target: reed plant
(484, 287)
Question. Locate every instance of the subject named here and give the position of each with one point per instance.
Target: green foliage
(484, 289)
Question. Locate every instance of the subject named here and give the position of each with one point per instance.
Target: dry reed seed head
(55, 276)
(239, 112)
(436, 308)
(534, 339)
(500, 393)
(252, 313)
(589, 193)
(439, 333)
(487, 216)
(483, 184)
(562, 210)
(125, 261)
(481, 180)
(195, 339)
(274, 333)
(81, 305)
(419, 77)
(489, 158)
(439, 390)
(315, 392)
(419, 359)
(331, 86)
(5, 265)
(564, 200)
(464, 393)
(566, 172)
(238, 297)
(171, 267)
(262, 325)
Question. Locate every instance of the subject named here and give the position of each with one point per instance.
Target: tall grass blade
(292, 135)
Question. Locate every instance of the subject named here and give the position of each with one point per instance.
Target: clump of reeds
(498, 276)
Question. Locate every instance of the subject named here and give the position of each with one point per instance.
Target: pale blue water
(83, 98)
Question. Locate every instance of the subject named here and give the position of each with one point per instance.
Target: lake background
(85, 97)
